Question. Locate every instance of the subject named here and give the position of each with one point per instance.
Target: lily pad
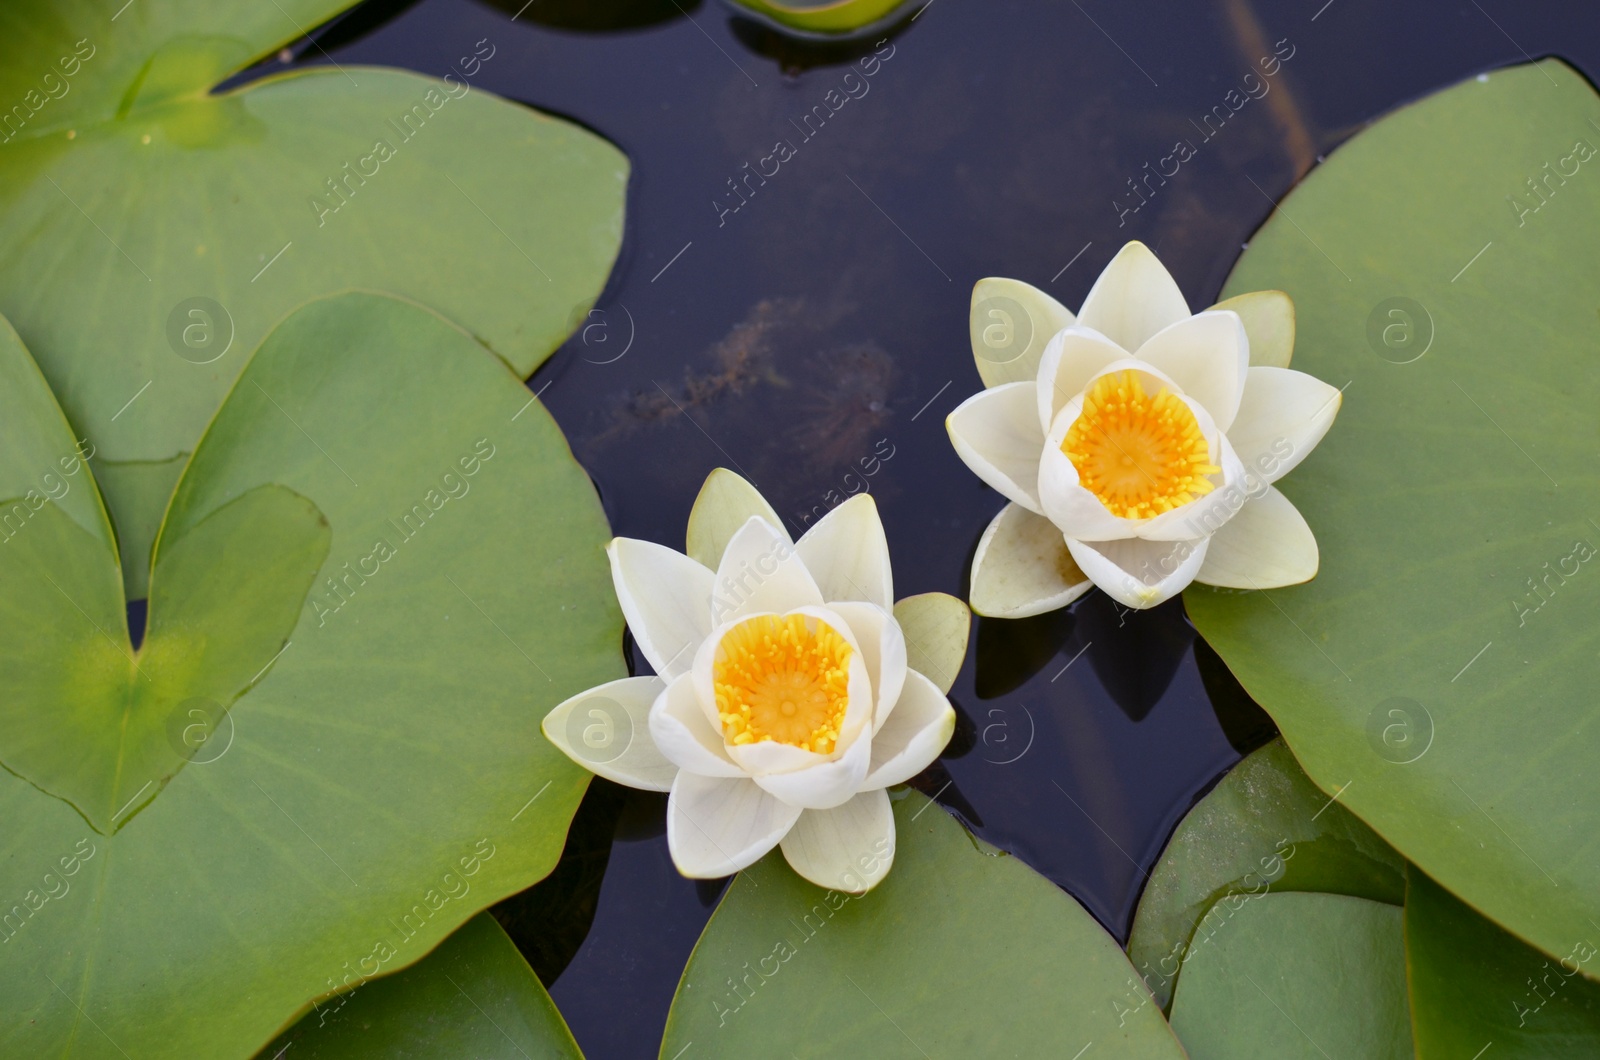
(473, 996)
(322, 785)
(837, 16)
(1441, 667)
(199, 221)
(1473, 984)
(962, 950)
(1298, 976)
(1264, 827)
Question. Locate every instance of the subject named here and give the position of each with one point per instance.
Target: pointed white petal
(1265, 546)
(916, 733)
(606, 730)
(716, 826)
(666, 598)
(1139, 573)
(823, 786)
(1073, 357)
(849, 848)
(936, 627)
(997, 434)
(1011, 322)
(848, 555)
(760, 572)
(883, 649)
(1283, 416)
(726, 502)
(1268, 318)
(1022, 567)
(1206, 355)
(1134, 298)
(680, 730)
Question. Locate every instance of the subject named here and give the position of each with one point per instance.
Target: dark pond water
(812, 329)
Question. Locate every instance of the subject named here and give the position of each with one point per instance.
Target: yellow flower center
(1140, 455)
(785, 679)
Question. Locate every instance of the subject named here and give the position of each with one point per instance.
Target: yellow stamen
(1140, 455)
(784, 679)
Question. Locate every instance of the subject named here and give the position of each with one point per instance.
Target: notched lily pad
(328, 756)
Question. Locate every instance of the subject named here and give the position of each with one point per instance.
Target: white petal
(760, 572)
(917, 732)
(1265, 546)
(1139, 573)
(715, 827)
(725, 503)
(606, 730)
(666, 598)
(848, 555)
(1134, 298)
(936, 627)
(883, 649)
(1206, 355)
(1283, 416)
(1022, 567)
(823, 786)
(997, 434)
(849, 848)
(1268, 318)
(1011, 322)
(680, 730)
(1073, 357)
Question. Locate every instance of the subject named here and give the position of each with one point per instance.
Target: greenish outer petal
(1264, 827)
(1298, 976)
(142, 296)
(384, 778)
(936, 627)
(83, 61)
(1473, 983)
(841, 16)
(725, 503)
(962, 950)
(474, 996)
(1443, 662)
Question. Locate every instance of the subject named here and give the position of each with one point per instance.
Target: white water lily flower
(787, 697)
(1137, 443)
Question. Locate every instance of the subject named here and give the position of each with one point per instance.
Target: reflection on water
(815, 337)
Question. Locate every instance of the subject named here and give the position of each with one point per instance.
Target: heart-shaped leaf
(1298, 975)
(962, 950)
(1441, 667)
(474, 996)
(384, 778)
(1264, 827)
(200, 220)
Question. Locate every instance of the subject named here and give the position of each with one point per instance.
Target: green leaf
(1264, 827)
(1298, 976)
(839, 16)
(1472, 983)
(1443, 662)
(69, 63)
(473, 996)
(961, 951)
(379, 781)
(199, 221)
